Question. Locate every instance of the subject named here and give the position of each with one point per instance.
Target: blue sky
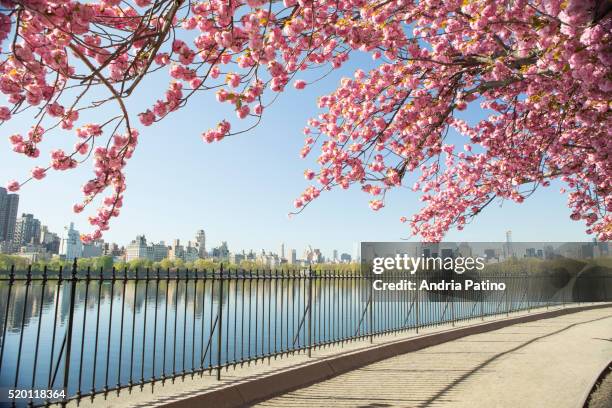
(241, 189)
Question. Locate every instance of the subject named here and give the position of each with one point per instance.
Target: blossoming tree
(539, 68)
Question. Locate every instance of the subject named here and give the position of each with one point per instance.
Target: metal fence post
(528, 294)
(6, 313)
(452, 300)
(70, 325)
(418, 312)
(220, 325)
(370, 316)
(507, 298)
(482, 306)
(309, 311)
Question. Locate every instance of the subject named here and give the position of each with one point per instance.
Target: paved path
(545, 363)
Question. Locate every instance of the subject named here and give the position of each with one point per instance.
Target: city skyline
(328, 252)
(28, 237)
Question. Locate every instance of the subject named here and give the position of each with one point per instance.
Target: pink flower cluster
(540, 70)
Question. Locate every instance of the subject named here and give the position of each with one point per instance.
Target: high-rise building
(112, 249)
(9, 204)
(270, 260)
(93, 249)
(221, 252)
(508, 249)
(176, 250)
(140, 249)
(293, 259)
(136, 249)
(71, 246)
(27, 231)
(200, 243)
(191, 253)
(50, 240)
(346, 258)
(335, 255)
(281, 254)
(160, 251)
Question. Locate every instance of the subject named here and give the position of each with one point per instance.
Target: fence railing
(86, 334)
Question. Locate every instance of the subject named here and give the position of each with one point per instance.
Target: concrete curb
(598, 377)
(252, 390)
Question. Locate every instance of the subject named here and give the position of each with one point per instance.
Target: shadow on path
(487, 362)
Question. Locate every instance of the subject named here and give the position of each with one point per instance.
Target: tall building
(27, 231)
(160, 251)
(176, 250)
(140, 249)
(71, 246)
(112, 249)
(508, 249)
(221, 252)
(191, 252)
(335, 255)
(136, 249)
(9, 204)
(269, 259)
(93, 249)
(313, 255)
(293, 259)
(50, 240)
(282, 251)
(200, 243)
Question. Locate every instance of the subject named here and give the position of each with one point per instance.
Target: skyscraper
(282, 251)
(9, 204)
(200, 243)
(27, 231)
(137, 249)
(71, 246)
(508, 249)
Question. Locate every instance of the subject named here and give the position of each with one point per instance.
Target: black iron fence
(80, 334)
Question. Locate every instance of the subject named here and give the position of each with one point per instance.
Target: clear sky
(241, 189)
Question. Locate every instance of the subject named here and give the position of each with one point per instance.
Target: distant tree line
(106, 264)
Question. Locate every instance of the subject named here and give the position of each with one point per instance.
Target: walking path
(545, 363)
(548, 362)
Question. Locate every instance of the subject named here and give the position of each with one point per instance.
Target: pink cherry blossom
(309, 174)
(39, 173)
(243, 111)
(5, 113)
(376, 205)
(538, 71)
(147, 118)
(13, 186)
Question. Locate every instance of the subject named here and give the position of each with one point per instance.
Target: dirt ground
(602, 397)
